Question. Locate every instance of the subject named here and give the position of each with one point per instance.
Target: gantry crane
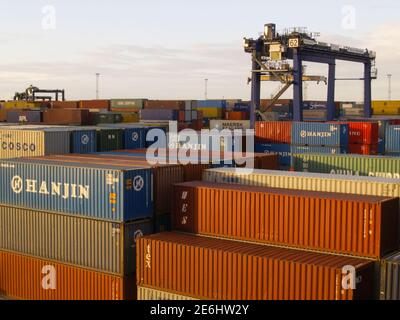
(272, 51)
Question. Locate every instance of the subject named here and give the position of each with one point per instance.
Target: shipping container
(17, 142)
(382, 107)
(230, 124)
(145, 294)
(66, 117)
(364, 149)
(219, 104)
(65, 104)
(329, 222)
(136, 104)
(165, 104)
(214, 269)
(283, 151)
(366, 133)
(130, 117)
(28, 278)
(392, 139)
(163, 223)
(94, 244)
(109, 139)
(353, 165)
(277, 132)
(104, 192)
(211, 113)
(95, 104)
(320, 134)
(83, 141)
(164, 176)
(19, 105)
(24, 116)
(108, 117)
(237, 115)
(317, 149)
(159, 114)
(390, 278)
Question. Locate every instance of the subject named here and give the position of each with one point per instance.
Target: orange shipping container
(338, 223)
(216, 269)
(95, 104)
(65, 104)
(274, 131)
(237, 115)
(27, 278)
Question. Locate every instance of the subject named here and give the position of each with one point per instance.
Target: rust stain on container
(338, 223)
(28, 278)
(215, 269)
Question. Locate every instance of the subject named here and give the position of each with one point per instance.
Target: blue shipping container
(392, 139)
(317, 149)
(95, 191)
(320, 134)
(83, 141)
(221, 104)
(24, 116)
(135, 138)
(283, 150)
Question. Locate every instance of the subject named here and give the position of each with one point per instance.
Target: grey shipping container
(390, 277)
(94, 244)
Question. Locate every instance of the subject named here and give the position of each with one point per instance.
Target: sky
(162, 49)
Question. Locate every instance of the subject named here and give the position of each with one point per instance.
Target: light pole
(389, 87)
(97, 85)
(206, 89)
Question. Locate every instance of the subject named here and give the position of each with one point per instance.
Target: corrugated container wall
(83, 141)
(66, 117)
(317, 149)
(136, 104)
(109, 140)
(94, 104)
(392, 139)
(29, 278)
(277, 132)
(148, 294)
(24, 116)
(102, 192)
(320, 134)
(283, 150)
(327, 222)
(159, 114)
(306, 181)
(33, 143)
(390, 278)
(165, 104)
(98, 245)
(363, 133)
(372, 166)
(214, 269)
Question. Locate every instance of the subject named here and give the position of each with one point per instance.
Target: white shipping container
(19, 143)
(306, 181)
(144, 293)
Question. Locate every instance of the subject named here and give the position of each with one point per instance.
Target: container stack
(363, 138)
(228, 256)
(81, 221)
(392, 141)
(388, 288)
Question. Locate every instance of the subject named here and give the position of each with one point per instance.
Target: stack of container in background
(275, 137)
(82, 222)
(329, 138)
(211, 109)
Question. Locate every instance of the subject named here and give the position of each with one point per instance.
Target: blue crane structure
(270, 55)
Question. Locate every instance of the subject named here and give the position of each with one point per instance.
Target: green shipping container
(128, 103)
(109, 140)
(352, 165)
(100, 118)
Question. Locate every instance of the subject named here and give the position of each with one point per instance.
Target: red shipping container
(214, 269)
(95, 104)
(237, 115)
(274, 131)
(363, 132)
(329, 222)
(66, 117)
(364, 149)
